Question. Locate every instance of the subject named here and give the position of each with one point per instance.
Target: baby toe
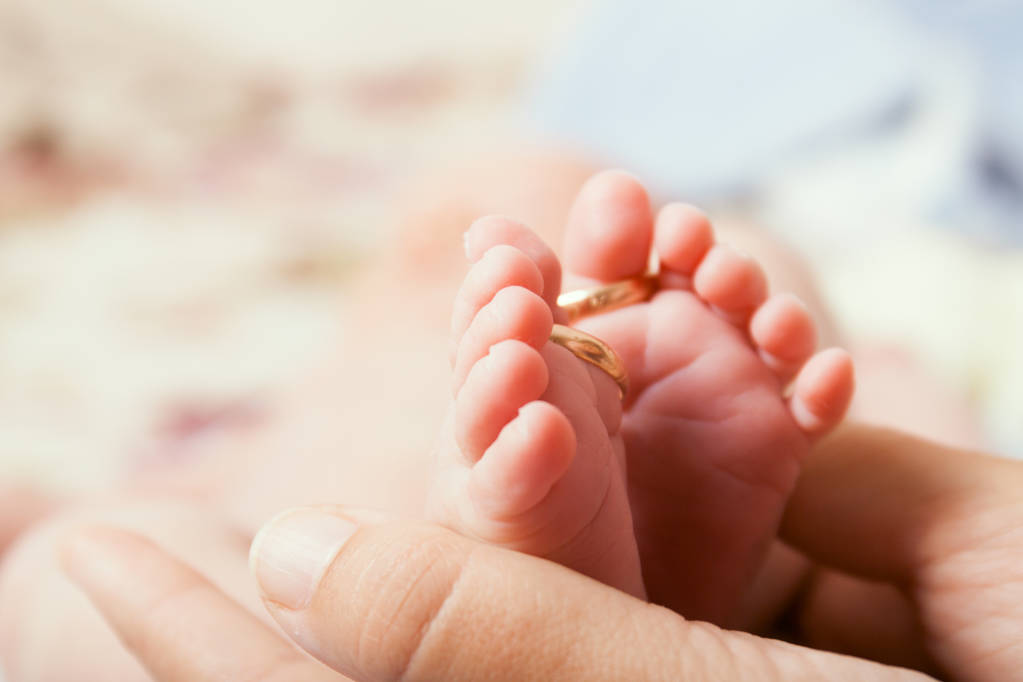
(499, 267)
(822, 392)
(491, 231)
(514, 313)
(609, 230)
(529, 456)
(682, 237)
(784, 333)
(731, 282)
(509, 376)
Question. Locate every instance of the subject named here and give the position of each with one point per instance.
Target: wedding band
(600, 299)
(590, 349)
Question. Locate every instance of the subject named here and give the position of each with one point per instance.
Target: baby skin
(674, 492)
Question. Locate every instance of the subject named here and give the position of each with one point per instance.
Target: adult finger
(882, 505)
(380, 601)
(873, 620)
(940, 524)
(181, 627)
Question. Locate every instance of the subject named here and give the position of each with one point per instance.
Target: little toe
(784, 333)
(609, 230)
(530, 455)
(509, 376)
(823, 390)
(499, 267)
(732, 283)
(682, 237)
(490, 231)
(513, 313)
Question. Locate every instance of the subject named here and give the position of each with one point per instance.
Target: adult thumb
(381, 600)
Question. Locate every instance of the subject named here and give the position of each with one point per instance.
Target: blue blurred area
(719, 96)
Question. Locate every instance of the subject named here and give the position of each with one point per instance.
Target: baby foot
(531, 457)
(714, 441)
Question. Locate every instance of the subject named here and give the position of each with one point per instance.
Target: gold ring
(600, 299)
(590, 349)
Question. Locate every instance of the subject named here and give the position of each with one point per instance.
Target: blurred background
(188, 189)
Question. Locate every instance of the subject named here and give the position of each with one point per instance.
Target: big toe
(491, 231)
(609, 231)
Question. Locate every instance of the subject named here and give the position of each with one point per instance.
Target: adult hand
(382, 600)
(941, 529)
(379, 600)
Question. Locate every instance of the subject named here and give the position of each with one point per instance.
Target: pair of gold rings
(600, 299)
